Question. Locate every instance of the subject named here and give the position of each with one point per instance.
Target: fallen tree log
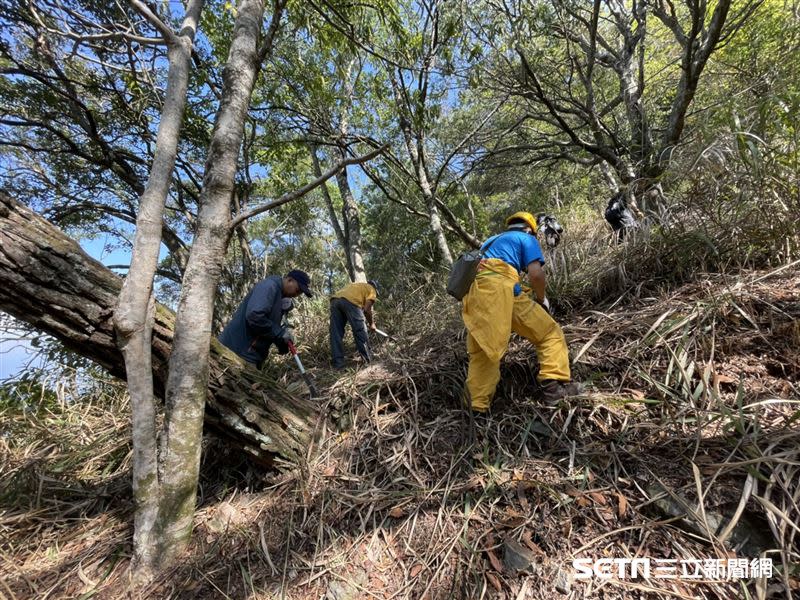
(49, 282)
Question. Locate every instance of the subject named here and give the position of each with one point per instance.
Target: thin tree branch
(306, 188)
(167, 33)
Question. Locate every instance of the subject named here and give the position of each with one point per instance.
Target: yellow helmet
(525, 217)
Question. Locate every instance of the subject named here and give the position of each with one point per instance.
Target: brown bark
(46, 280)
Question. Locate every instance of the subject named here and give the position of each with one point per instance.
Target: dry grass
(691, 413)
(64, 491)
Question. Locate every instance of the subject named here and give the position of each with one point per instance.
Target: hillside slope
(695, 392)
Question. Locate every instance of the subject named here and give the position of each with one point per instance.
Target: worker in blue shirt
(257, 323)
(496, 305)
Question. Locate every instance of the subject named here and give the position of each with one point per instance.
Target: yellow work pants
(491, 312)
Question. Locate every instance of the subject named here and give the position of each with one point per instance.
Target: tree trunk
(47, 281)
(435, 219)
(351, 216)
(187, 380)
(632, 81)
(414, 141)
(352, 225)
(134, 316)
(428, 193)
(337, 227)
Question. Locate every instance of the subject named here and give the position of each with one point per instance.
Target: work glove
(288, 337)
(281, 346)
(287, 304)
(546, 304)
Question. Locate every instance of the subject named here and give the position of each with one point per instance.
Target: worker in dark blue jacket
(257, 323)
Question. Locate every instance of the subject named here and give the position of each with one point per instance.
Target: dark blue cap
(374, 284)
(302, 279)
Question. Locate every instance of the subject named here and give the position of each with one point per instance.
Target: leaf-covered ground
(685, 448)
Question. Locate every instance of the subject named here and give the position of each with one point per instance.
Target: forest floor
(693, 393)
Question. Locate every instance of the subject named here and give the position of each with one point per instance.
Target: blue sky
(16, 354)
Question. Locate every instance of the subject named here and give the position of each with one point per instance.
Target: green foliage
(327, 81)
(25, 393)
(402, 259)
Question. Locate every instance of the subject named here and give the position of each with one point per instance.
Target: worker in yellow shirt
(352, 304)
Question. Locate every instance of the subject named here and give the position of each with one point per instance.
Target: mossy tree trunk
(188, 373)
(47, 281)
(134, 318)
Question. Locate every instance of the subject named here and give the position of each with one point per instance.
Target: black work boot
(552, 390)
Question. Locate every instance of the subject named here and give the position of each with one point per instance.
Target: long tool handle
(293, 350)
(306, 376)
